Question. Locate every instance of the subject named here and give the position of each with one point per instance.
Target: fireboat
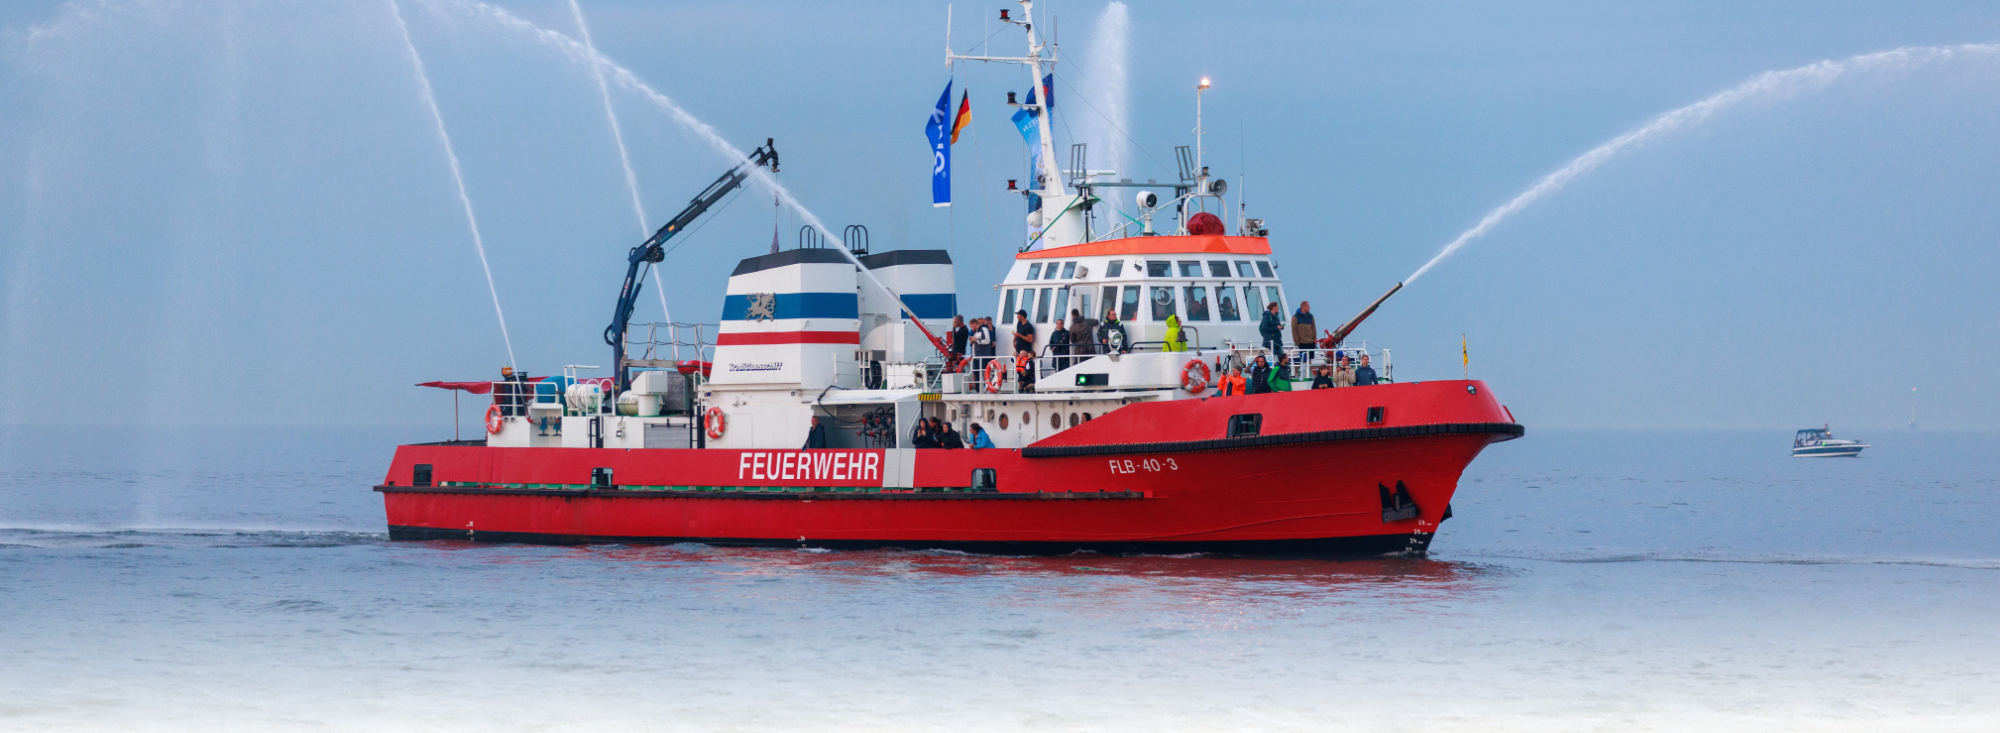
(797, 420)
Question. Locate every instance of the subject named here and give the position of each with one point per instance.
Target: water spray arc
(618, 136)
(424, 83)
(1772, 84)
(631, 82)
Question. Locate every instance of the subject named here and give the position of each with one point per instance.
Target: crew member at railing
(1059, 345)
(983, 338)
(1110, 325)
(1281, 375)
(948, 436)
(979, 437)
(1302, 327)
(960, 336)
(815, 437)
(1175, 340)
(1364, 375)
(1082, 335)
(1024, 333)
(1272, 328)
(1321, 378)
(1343, 374)
(1260, 376)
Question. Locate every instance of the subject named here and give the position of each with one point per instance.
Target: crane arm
(653, 250)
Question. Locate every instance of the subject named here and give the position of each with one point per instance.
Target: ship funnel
(1334, 339)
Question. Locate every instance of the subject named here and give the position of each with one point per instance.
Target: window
(1110, 299)
(1163, 303)
(1003, 421)
(1042, 306)
(1264, 268)
(1007, 313)
(1035, 271)
(1218, 268)
(1069, 271)
(1197, 303)
(1243, 268)
(1083, 303)
(1244, 426)
(1128, 307)
(1116, 268)
(1225, 303)
(1190, 269)
(1272, 291)
(600, 477)
(1253, 302)
(1049, 274)
(1157, 268)
(421, 475)
(1062, 303)
(985, 479)
(1375, 414)
(1055, 420)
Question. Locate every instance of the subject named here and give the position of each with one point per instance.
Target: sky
(240, 212)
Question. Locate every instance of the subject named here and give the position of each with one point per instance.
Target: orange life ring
(1189, 381)
(995, 376)
(716, 423)
(494, 421)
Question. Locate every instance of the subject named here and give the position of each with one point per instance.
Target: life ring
(716, 423)
(995, 376)
(1189, 381)
(494, 421)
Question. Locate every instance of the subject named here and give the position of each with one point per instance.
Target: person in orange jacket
(1233, 383)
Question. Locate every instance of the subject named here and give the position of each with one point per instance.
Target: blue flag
(939, 132)
(1024, 120)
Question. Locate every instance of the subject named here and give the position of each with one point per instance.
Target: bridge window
(1163, 303)
(1007, 313)
(1050, 274)
(1243, 268)
(1272, 291)
(1264, 268)
(1159, 268)
(1218, 268)
(1190, 269)
(1062, 304)
(1069, 271)
(1254, 300)
(1197, 303)
(1115, 268)
(1035, 271)
(1225, 303)
(1042, 305)
(1128, 307)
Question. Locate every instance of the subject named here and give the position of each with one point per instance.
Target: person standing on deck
(1364, 375)
(1232, 384)
(1175, 341)
(961, 337)
(1081, 331)
(1304, 333)
(1059, 345)
(1260, 377)
(979, 439)
(1272, 328)
(1024, 333)
(1343, 375)
(982, 342)
(815, 437)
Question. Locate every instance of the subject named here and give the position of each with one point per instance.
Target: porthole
(1055, 420)
(1003, 421)
(1025, 419)
(1072, 419)
(1470, 389)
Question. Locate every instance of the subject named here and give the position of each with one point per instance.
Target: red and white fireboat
(1121, 445)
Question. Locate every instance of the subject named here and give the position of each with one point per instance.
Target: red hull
(1147, 477)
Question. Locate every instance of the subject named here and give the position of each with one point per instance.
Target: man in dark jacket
(816, 437)
(1260, 376)
(1364, 375)
(1059, 345)
(961, 337)
(1272, 328)
(1082, 332)
(951, 438)
(1106, 328)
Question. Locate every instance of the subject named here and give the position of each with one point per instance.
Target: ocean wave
(1596, 557)
(124, 538)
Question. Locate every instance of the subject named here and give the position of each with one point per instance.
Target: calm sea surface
(228, 579)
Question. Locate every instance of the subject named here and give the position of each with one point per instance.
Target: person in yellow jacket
(1175, 340)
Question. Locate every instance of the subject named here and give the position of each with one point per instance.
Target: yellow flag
(1465, 353)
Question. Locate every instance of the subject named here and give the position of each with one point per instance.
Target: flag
(940, 150)
(1048, 92)
(1465, 353)
(964, 115)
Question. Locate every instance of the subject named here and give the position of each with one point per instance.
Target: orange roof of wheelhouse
(1190, 244)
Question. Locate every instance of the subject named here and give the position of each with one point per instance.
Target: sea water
(239, 579)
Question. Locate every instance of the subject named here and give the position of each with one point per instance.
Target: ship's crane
(652, 251)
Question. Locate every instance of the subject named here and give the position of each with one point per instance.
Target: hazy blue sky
(238, 212)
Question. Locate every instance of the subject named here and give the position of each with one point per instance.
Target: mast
(1056, 200)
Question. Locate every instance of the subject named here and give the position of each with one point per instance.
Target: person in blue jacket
(979, 439)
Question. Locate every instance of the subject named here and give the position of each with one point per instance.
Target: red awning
(473, 387)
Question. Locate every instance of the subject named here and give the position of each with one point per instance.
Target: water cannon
(1333, 340)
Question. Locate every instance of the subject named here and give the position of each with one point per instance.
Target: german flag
(964, 116)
